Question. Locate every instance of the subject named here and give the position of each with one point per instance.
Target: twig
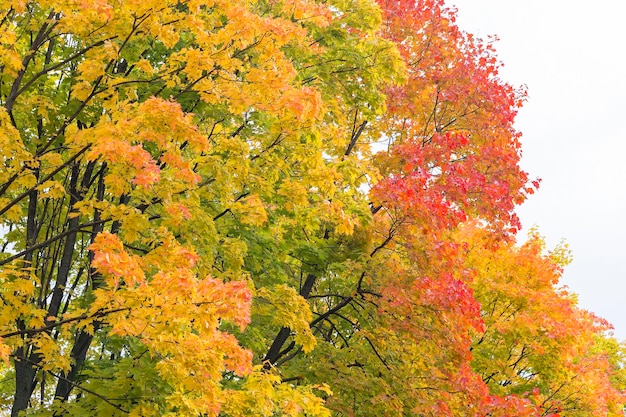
(52, 325)
(74, 384)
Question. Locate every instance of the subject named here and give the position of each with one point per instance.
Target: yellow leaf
(5, 352)
(250, 210)
(287, 308)
(144, 65)
(51, 189)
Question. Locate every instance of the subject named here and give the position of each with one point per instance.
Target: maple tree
(251, 208)
(536, 343)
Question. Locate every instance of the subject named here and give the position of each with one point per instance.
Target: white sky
(571, 55)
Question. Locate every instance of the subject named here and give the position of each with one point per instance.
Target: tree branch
(41, 181)
(97, 315)
(48, 241)
(355, 137)
(44, 71)
(74, 384)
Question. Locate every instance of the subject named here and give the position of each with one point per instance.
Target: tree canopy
(274, 208)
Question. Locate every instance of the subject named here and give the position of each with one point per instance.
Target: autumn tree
(395, 319)
(151, 152)
(536, 343)
(250, 208)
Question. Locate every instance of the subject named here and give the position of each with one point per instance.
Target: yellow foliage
(264, 395)
(250, 210)
(51, 189)
(152, 119)
(287, 308)
(5, 352)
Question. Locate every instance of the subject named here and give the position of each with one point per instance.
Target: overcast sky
(570, 54)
